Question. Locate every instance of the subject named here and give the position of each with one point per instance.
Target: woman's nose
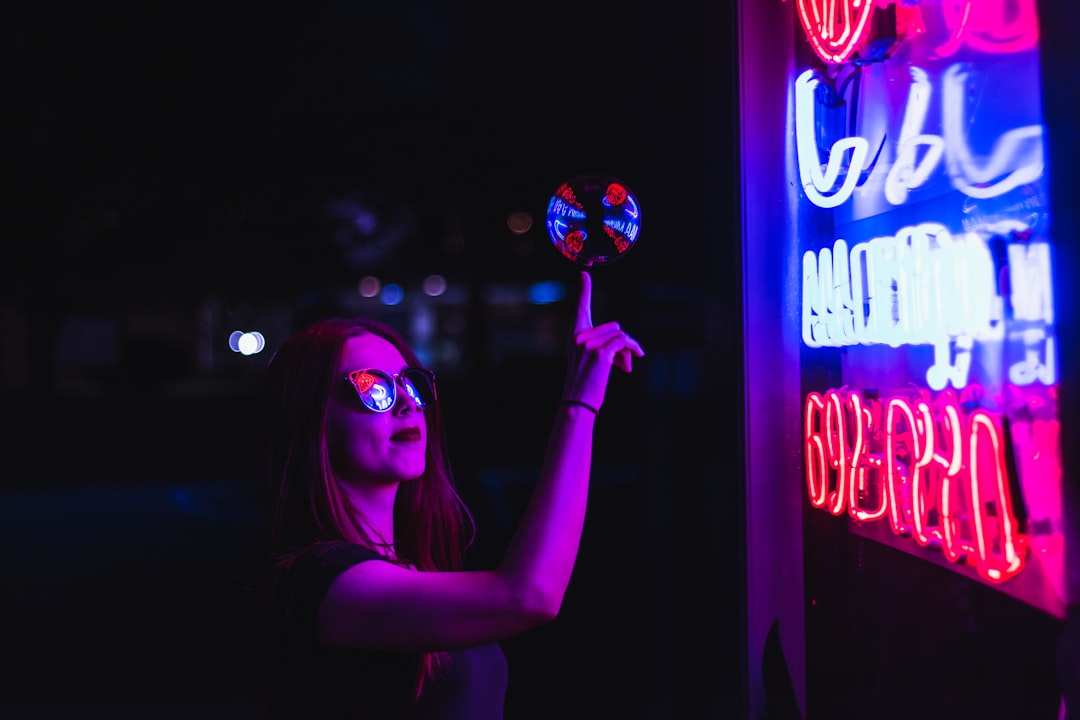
(405, 402)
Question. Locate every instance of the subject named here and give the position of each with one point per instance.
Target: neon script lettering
(935, 473)
(1015, 159)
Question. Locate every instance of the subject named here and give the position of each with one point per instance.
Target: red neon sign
(834, 27)
(934, 470)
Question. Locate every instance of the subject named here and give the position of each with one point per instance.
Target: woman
(374, 616)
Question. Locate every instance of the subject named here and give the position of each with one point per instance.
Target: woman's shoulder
(304, 574)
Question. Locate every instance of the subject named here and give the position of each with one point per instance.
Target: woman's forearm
(540, 558)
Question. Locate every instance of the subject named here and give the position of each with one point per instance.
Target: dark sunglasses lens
(420, 386)
(375, 389)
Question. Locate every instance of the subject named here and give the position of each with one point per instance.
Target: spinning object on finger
(593, 219)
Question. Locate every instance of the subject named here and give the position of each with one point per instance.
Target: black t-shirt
(315, 682)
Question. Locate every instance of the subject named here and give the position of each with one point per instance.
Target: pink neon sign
(990, 26)
(837, 29)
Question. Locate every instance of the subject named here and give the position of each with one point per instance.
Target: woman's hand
(593, 352)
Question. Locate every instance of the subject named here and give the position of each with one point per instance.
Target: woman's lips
(406, 435)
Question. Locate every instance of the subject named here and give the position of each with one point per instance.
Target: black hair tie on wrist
(587, 406)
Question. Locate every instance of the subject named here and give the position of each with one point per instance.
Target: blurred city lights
(519, 222)
(369, 286)
(434, 285)
(392, 294)
(246, 343)
(544, 293)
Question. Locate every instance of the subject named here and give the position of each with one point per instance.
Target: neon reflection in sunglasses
(378, 389)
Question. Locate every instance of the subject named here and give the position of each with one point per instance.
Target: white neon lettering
(905, 172)
(1031, 294)
(922, 286)
(927, 286)
(952, 362)
(827, 294)
(818, 183)
(1039, 362)
(1017, 157)
(1030, 283)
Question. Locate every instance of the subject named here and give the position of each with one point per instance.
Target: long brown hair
(432, 526)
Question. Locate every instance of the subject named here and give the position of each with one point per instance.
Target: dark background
(172, 171)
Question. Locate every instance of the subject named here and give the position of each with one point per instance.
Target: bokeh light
(392, 294)
(519, 222)
(369, 286)
(545, 293)
(434, 285)
(246, 343)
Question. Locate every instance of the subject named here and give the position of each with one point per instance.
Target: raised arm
(382, 606)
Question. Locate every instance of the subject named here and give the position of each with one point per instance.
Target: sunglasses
(378, 390)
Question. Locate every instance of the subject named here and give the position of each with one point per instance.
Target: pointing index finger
(584, 312)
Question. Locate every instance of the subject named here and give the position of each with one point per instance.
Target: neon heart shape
(834, 27)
